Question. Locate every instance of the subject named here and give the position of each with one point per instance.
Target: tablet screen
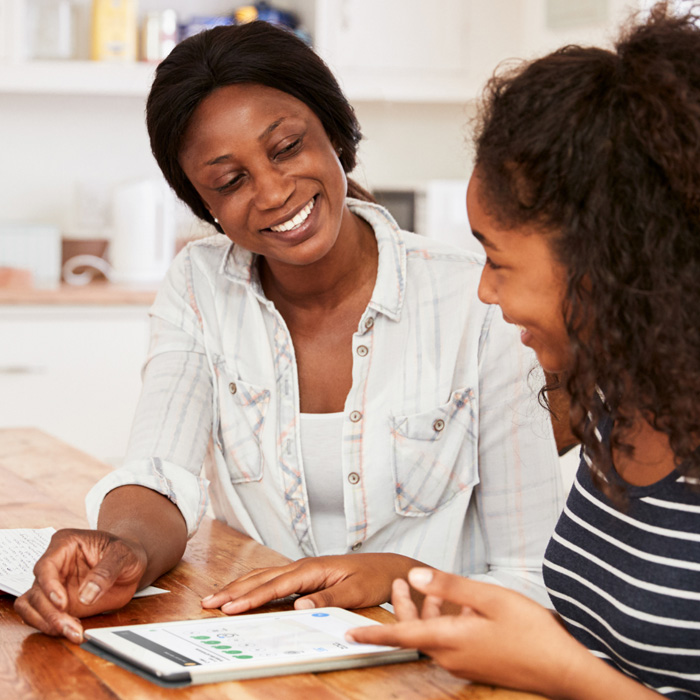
(243, 642)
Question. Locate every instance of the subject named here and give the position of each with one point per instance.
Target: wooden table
(43, 483)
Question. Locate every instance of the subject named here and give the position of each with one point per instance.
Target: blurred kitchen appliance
(32, 247)
(143, 232)
(436, 208)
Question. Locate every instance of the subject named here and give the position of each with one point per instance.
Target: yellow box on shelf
(114, 30)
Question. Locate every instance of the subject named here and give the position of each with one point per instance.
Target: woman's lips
(295, 221)
(299, 232)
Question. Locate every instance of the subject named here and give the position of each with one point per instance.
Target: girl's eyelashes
(492, 264)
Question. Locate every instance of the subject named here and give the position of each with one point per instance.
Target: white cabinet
(74, 372)
(401, 50)
(396, 50)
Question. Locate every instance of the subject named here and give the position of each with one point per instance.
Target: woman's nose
(273, 188)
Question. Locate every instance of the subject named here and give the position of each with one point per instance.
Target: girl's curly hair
(602, 148)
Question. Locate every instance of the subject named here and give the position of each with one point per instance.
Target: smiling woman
(351, 402)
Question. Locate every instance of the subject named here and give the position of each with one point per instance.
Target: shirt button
(353, 478)
(232, 387)
(356, 546)
(369, 323)
(362, 350)
(438, 425)
(355, 416)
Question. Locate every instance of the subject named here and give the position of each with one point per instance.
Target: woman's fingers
(271, 584)
(38, 611)
(82, 572)
(348, 581)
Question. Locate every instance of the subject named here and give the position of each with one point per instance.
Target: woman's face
(525, 279)
(265, 168)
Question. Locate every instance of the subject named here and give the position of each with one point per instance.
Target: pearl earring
(216, 221)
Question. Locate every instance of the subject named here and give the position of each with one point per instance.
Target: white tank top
(321, 452)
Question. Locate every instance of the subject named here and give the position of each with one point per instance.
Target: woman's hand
(82, 573)
(346, 581)
(500, 637)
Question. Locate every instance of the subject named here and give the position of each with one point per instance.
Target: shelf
(92, 78)
(76, 78)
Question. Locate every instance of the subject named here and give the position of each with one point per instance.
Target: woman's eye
(231, 184)
(492, 264)
(289, 149)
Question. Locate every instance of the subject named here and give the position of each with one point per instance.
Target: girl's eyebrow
(483, 240)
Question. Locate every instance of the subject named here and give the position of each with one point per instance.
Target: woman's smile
(267, 171)
(295, 221)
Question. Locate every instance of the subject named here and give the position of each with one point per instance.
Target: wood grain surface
(43, 482)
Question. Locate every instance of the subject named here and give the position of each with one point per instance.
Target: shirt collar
(240, 265)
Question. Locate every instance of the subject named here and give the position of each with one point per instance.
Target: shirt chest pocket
(238, 426)
(435, 455)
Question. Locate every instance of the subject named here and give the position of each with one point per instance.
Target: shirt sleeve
(173, 422)
(520, 496)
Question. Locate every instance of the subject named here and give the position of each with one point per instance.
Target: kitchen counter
(93, 294)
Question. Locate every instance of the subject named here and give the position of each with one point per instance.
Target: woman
(345, 394)
(586, 198)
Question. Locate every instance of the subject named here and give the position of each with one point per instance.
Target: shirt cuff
(186, 490)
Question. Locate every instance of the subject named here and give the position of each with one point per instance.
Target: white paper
(20, 549)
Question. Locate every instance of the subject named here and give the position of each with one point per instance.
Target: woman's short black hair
(258, 53)
(600, 150)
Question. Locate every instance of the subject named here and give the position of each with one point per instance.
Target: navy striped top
(627, 583)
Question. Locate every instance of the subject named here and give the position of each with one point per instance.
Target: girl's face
(525, 279)
(265, 168)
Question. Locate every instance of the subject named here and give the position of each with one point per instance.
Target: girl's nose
(486, 291)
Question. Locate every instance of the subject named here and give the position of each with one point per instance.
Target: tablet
(247, 646)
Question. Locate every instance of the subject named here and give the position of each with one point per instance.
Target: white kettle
(143, 233)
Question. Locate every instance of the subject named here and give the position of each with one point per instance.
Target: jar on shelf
(51, 29)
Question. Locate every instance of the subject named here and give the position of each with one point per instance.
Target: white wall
(53, 147)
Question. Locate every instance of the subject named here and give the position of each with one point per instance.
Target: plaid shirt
(446, 455)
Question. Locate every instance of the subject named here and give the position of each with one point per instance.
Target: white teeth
(298, 220)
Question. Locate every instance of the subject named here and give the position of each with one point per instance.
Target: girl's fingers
(481, 597)
(404, 607)
(432, 606)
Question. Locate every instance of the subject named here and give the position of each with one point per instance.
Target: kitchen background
(73, 143)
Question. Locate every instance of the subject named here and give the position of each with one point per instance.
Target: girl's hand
(82, 573)
(345, 581)
(500, 637)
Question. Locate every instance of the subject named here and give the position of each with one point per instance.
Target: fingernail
(232, 608)
(420, 577)
(207, 598)
(304, 604)
(72, 633)
(89, 593)
(56, 599)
